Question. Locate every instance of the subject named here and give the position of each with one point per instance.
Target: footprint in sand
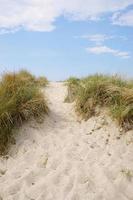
(13, 189)
(67, 168)
(55, 163)
(68, 186)
(57, 179)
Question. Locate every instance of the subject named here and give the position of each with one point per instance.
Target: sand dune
(65, 159)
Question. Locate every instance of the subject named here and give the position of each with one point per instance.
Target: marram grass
(100, 91)
(20, 99)
(72, 84)
(42, 81)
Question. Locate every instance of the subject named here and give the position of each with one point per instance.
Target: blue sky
(74, 42)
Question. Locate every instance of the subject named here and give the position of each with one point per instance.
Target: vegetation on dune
(42, 81)
(20, 99)
(26, 76)
(103, 91)
(73, 84)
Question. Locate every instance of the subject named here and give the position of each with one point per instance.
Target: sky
(63, 38)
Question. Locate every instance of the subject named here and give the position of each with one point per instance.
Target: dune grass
(73, 84)
(42, 81)
(100, 91)
(20, 99)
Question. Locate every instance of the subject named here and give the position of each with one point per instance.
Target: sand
(64, 158)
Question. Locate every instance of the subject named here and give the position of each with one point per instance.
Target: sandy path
(62, 159)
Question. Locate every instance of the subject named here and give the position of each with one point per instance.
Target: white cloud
(97, 38)
(7, 31)
(123, 19)
(40, 15)
(107, 50)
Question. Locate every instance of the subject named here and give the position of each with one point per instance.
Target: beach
(65, 158)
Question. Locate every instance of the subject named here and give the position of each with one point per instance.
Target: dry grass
(73, 84)
(104, 91)
(20, 99)
(42, 81)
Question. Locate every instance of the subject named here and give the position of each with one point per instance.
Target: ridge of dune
(67, 159)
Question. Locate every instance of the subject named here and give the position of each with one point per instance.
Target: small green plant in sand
(128, 173)
(110, 92)
(20, 99)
